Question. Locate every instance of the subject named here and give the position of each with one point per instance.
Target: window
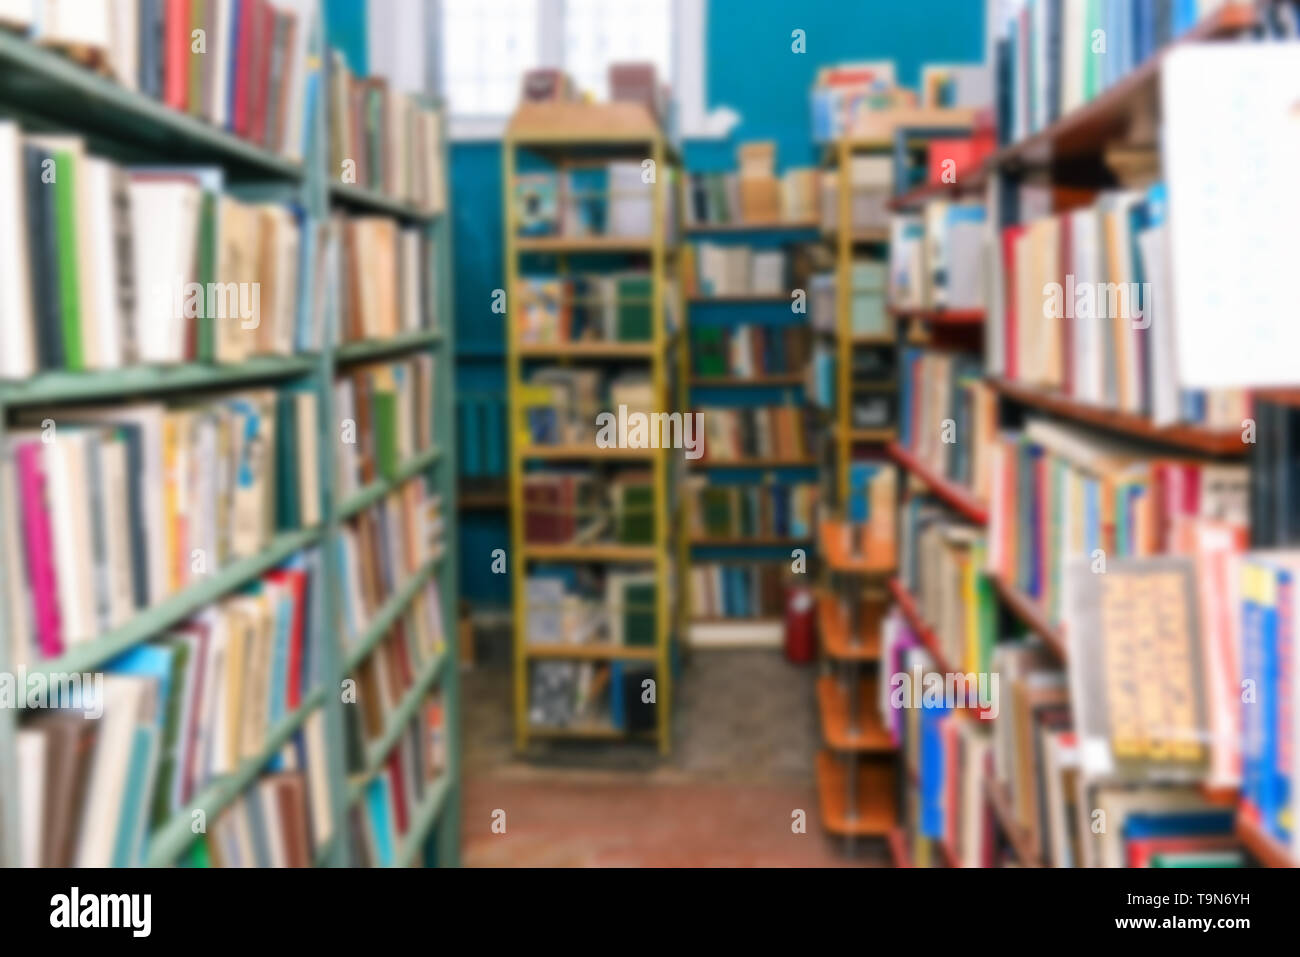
(487, 45)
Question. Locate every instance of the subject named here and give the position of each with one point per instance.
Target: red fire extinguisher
(800, 641)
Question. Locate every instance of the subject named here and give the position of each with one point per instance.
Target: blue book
(1150, 824)
(494, 437)
(932, 771)
(381, 825)
(283, 623)
(617, 703)
(1091, 516)
(142, 767)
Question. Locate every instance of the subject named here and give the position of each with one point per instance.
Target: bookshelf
(567, 137)
(47, 91)
(753, 314)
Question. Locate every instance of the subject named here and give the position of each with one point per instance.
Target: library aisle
(683, 433)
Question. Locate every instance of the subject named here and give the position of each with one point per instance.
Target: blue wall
(751, 69)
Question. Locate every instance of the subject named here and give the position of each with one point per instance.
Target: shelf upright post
(663, 692)
(8, 716)
(843, 302)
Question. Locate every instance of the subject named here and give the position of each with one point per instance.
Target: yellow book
(173, 429)
(237, 641)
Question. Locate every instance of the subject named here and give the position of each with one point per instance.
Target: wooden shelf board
(592, 652)
(870, 735)
(379, 488)
(1029, 612)
(377, 348)
(874, 812)
(362, 198)
(1016, 835)
(634, 554)
(754, 464)
(558, 245)
(1189, 437)
(761, 380)
(872, 435)
(951, 493)
(582, 124)
(835, 635)
(598, 732)
(1266, 849)
(880, 558)
(757, 542)
(941, 317)
(916, 197)
(772, 225)
(1090, 128)
(583, 453)
(587, 350)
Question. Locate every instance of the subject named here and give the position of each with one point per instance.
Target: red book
(1010, 370)
(176, 53)
(262, 70)
(1141, 850)
(243, 53)
(296, 580)
(39, 549)
(397, 781)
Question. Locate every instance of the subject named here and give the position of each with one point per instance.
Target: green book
(1202, 859)
(639, 614)
(198, 854)
(287, 507)
(207, 256)
(1092, 61)
(65, 203)
(167, 762)
(384, 416)
(634, 312)
(636, 514)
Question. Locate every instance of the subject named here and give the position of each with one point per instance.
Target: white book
(317, 779)
(64, 460)
(99, 221)
(18, 14)
(295, 119)
(32, 756)
(75, 23)
(117, 530)
(124, 50)
(18, 594)
(17, 318)
(223, 17)
(631, 201)
(102, 815)
(272, 822)
(164, 214)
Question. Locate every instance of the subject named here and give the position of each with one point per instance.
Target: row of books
(109, 511)
(385, 140)
(1051, 57)
(581, 507)
(725, 199)
(569, 605)
(1057, 492)
(172, 716)
(942, 563)
(385, 816)
(386, 419)
(872, 499)
(587, 694)
(616, 200)
(614, 307)
(771, 510)
(1090, 310)
(108, 266)
(771, 432)
(937, 259)
(871, 184)
(737, 590)
(749, 350)
(560, 404)
(868, 306)
(381, 548)
(242, 65)
(948, 416)
(387, 279)
(721, 270)
(270, 824)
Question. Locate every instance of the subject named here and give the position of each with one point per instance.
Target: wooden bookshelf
(571, 135)
(1263, 846)
(1189, 438)
(865, 734)
(954, 495)
(877, 560)
(47, 91)
(1088, 129)
(1032, 615)
(1017, 836)
(872, 812)
(591, 652)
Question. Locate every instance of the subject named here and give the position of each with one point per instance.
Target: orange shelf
(1029, 612)
(874, 813)
(950, 492)
(1190, 437)
(870, 735)
(1267, 850)
(835, 633)
(879, 558)
(1090, 128)
(1016, 835)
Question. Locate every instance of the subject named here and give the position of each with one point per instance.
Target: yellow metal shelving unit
(568, 134)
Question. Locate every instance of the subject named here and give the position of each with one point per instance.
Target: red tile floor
(746, 736)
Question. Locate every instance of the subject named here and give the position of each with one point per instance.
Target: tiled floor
(741, 767)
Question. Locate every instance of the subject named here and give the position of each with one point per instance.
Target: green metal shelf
(379, 348)
(395, 727)
(388, 614)
(48, 388)
(171, 840)
(425, 815)
(50, 88)
(151, 622)
(368, 200)
(377, 489)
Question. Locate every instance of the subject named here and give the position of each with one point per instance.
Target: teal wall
(752, 70)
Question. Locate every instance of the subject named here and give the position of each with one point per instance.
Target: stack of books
(747, 350)
(773, 432)
(948, 419)
(613, 307)
(384, 140)
(771, 510)
(714, 199)
(108, 266)
(727, 590)
(714, 269)
(616, 200)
